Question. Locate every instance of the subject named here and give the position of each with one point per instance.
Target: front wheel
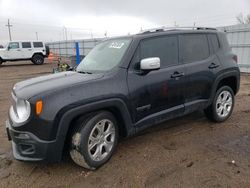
(222, 106)
(37, 59)
(94, 140)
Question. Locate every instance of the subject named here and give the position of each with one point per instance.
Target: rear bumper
(27, 147)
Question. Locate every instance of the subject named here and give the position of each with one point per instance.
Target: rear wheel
(38, 59)
(222, 106)
(1, 61)
(94, 140)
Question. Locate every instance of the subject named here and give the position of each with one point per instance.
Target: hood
(43, 84)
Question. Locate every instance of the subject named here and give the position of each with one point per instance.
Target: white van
(18, 51)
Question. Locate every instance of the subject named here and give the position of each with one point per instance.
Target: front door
(160, 91)
(13, 51)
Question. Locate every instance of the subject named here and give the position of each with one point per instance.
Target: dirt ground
(185, 152)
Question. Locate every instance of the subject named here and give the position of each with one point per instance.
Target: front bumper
(27, 147)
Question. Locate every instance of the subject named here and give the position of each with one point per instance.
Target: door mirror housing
(149, 64)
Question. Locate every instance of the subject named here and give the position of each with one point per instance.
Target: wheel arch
(230, 78)
(230, 81)
(116, 106)
(37, 53)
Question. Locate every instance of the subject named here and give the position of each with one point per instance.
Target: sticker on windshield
(116, 45)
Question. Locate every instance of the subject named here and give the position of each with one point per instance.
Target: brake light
(235, 58)
(39, 107)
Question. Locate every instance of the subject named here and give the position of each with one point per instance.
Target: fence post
(77, 53)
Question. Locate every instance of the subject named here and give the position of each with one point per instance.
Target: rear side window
(166, 48)
(215, 42)
(224, 42)
(37, 44)
(26, 44)
(194, 47)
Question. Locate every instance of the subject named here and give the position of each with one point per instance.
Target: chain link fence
(239, 39)
(66, 50)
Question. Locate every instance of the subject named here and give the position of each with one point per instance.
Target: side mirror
(152, 63)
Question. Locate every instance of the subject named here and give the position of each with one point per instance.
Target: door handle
(177, 74)
(213, 66)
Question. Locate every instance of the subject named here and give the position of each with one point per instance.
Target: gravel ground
(185, 152)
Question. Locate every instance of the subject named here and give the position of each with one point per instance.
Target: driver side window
(164, 47)
(13, 45)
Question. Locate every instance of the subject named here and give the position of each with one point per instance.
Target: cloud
(114, 16)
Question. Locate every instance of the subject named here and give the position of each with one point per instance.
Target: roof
(169, 30)
(176, 30)
(25, 41)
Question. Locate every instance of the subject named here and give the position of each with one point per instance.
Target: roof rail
(160, 29)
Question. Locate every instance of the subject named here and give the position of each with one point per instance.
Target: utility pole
(36, 36)
(9, 26)
(66, 37)
(91, 33)
(194, 25)
(66, 33)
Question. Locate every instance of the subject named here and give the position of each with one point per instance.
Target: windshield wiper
(84, 72)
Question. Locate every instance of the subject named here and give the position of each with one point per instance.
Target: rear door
(161, 91)
(201, 64)
(26, 50)
(39, 47)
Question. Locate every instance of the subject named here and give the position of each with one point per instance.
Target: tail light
(235, 58)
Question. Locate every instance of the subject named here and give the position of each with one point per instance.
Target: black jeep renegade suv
(121, 87)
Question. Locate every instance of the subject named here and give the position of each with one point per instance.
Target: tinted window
(26, 44)
(37, 44)
(166, 48)
(214, 41)
(194, 47)
(224, 41)
(14, 45)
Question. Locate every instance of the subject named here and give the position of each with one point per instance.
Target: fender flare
(218, 79)
(67, 117)
(37, 53)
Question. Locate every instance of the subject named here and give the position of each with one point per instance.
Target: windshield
(104, 56)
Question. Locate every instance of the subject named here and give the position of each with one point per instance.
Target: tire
(37, 59)
(90, 147)
(221, 108)
(1, 61)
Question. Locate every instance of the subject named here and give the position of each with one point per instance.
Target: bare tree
(247, 19)
(240, 18)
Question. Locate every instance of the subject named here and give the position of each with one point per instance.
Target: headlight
(21, 111)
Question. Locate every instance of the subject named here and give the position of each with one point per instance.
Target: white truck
(19, 51)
